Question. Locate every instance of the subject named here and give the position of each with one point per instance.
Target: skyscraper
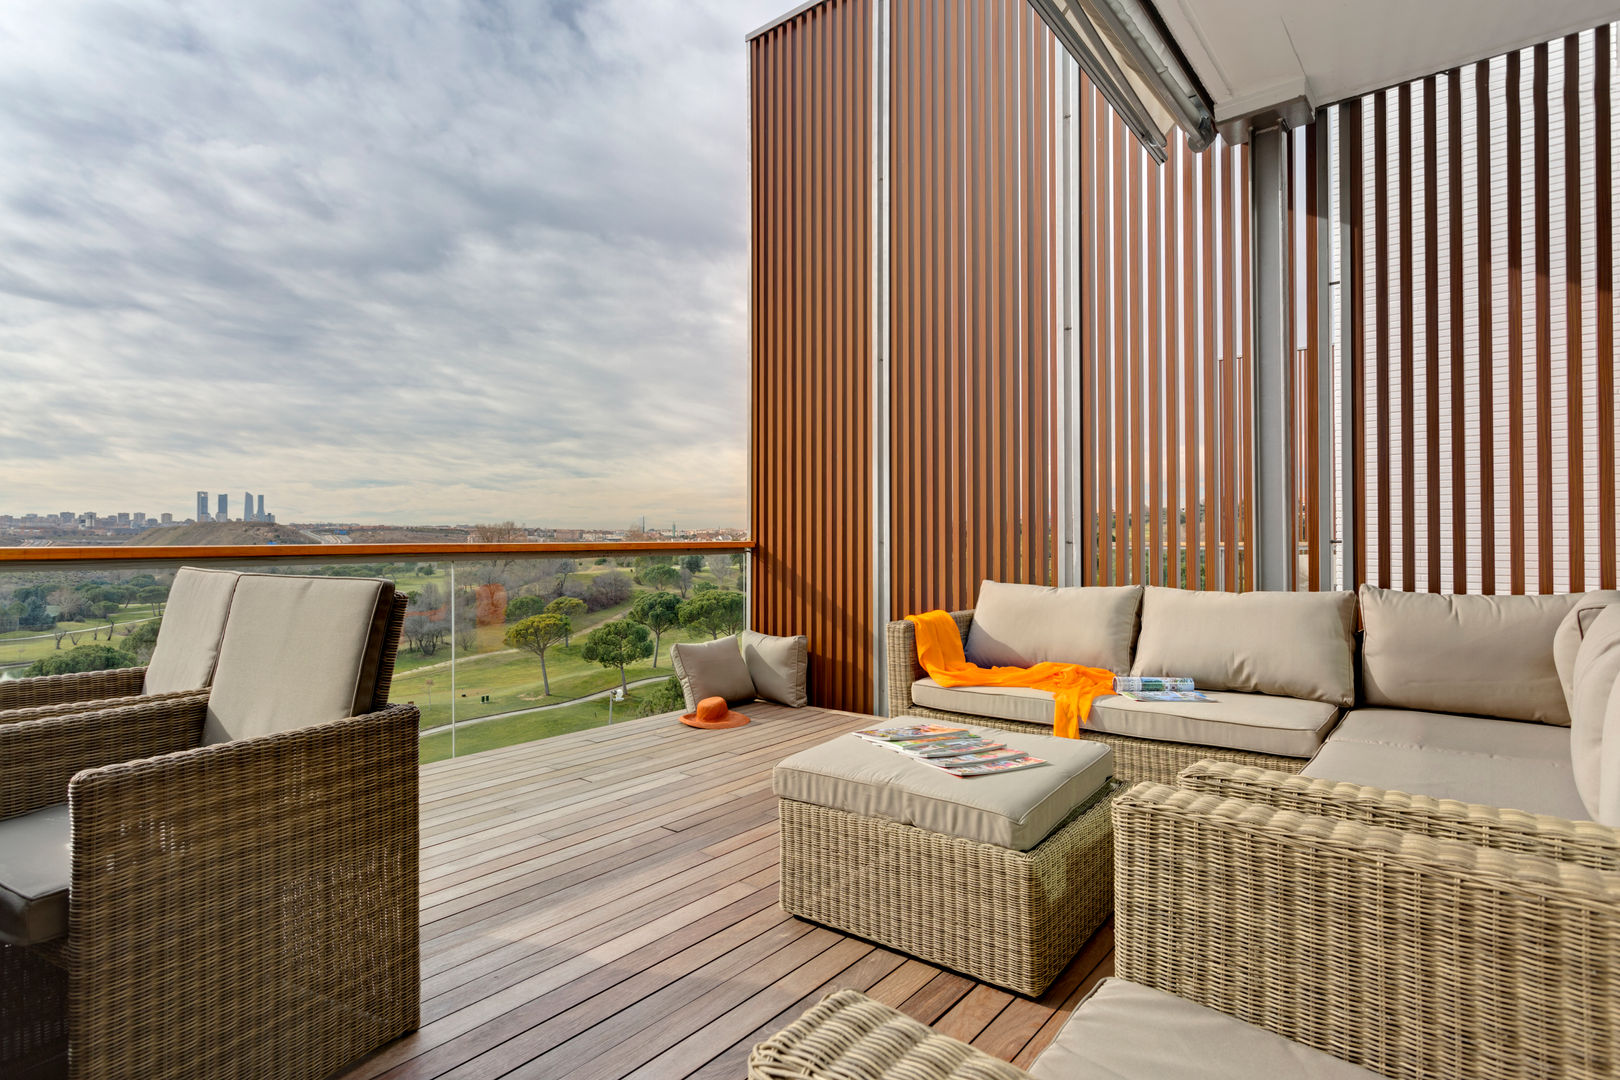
(260, 515)
(202, 506)
(247, 506)
(224, 508)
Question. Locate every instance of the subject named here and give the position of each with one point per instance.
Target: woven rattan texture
(1011, 918)
(851, 1037)
(1585, 843)
(1411, 956)
(65, 689)
(1135, 759)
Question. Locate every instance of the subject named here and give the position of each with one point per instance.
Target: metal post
(1275, 555)
(452, 659)
(1324, 349)
(880, 349)
(1068, 374)
(1349, 299)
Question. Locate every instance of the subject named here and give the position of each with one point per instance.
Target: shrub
(81, 658)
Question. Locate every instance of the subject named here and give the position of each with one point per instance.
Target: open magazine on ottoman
(953, 750)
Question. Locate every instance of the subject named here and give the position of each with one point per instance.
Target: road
(541, 708)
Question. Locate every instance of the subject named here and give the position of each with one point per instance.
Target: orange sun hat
(713, 712)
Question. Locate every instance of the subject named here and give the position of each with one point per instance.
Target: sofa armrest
(901, 667)
(77, 686)
(1585, 843)
(282, 869)
(71, 708)
(41, 756)
(1407, 955)
(851, 1037)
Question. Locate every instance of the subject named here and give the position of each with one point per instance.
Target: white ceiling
(1254, 54)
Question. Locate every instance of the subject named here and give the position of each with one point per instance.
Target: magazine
(913, 732)
(1165, 695)
(946, 748)
(977, 757)
(1011, 764)
(1131, 684)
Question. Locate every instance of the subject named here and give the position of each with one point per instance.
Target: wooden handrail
(41, 557)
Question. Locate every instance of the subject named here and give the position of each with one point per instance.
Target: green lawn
(26, 646)
(511, 730)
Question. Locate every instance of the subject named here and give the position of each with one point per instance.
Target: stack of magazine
(956, 751)
(1157, 688)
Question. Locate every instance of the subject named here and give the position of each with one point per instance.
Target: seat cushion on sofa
(1475, 759)
(1592, 681)
(1012, 810)
(1126, 1031)
(1291, 644)
(1024, 625)
(36, 866)
(1262, 723)
(1477, 655)
(193, 623)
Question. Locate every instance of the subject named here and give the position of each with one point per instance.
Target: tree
(536, 634)
(720, 566)
(156, 595)
(140, 641)
(81, 658)
(425, 631)
(716, 612)
(657, 611)
(692, 563)
(569, 607)
(645, 563)
(663, 698)
(466, 628)
(607, 590)
(500, 532)
(618, 644)
(661, 577)
(522, 607)
(70, 606)
(686, 582)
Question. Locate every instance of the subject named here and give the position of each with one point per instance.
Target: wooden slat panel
(1431, 338)
(1515, 371)
(1459, 390)
(1487, 328)
(810, 340)
(1603, 154)
(1574, 349)
(1540, 89)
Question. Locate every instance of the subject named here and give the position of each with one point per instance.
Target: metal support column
(1349, 297)
(1275, 552)
(1324, 351)
(881, 568)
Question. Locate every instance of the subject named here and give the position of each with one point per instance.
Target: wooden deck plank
(603, 904)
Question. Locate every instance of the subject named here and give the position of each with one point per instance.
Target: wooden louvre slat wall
(975, 312)
(810, 323)
(1166, 400)
(1485, 265)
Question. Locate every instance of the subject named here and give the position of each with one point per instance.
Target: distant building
(260, 516)
(167, 519)
(140, 519)
(224, 508)
(247, 506)
(202, 506)
(123, 517)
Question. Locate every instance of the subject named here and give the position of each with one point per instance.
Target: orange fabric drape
(1073, 686)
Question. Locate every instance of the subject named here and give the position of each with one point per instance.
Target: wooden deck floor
(603, 904)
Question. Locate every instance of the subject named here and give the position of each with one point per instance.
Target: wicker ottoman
(999, 877)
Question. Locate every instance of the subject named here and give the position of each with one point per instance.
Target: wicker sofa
(1456, 697)
(1405, 936)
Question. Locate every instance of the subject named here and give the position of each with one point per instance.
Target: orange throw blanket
(1073, 686)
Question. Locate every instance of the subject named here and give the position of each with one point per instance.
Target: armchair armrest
(77, 686)
(284, 869)
(902, 668)
(1404, 954)
(1585, 843)
(851, 1037)
(41, 756)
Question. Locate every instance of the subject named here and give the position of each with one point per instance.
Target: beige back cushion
(1478, 655)
(1295, 644)
(295, 653)
(193, 623)
(1608, 811)
(1024, 625)
(1567, 639)
(778, 666)
(711, 669)
(1596, 668)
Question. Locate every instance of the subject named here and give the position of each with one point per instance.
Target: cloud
(409, 262)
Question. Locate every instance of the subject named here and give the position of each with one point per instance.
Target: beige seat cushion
(1570, 632)
(297, 651)
(1125, 1031)
(1504, 763)
(193, 624)
(711, 669)
(1263, 723)
(1478, 655)
(1592, 680)
(1024, 625)
(1298, 645)
(1012, 810)
(778, 666)
(36, 867)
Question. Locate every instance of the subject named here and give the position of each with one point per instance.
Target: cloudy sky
(383, 260)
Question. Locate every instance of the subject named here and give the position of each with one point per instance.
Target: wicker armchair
(1409, 954)
(243, 902)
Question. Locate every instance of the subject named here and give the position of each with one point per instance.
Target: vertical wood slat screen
(976, 323)
(1483, 251)
(1166, 401)
(811, 343)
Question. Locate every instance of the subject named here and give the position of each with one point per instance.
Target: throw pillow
(1597, 666)
(779, 666)
(711, 669)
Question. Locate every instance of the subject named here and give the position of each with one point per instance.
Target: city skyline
(476, 269)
